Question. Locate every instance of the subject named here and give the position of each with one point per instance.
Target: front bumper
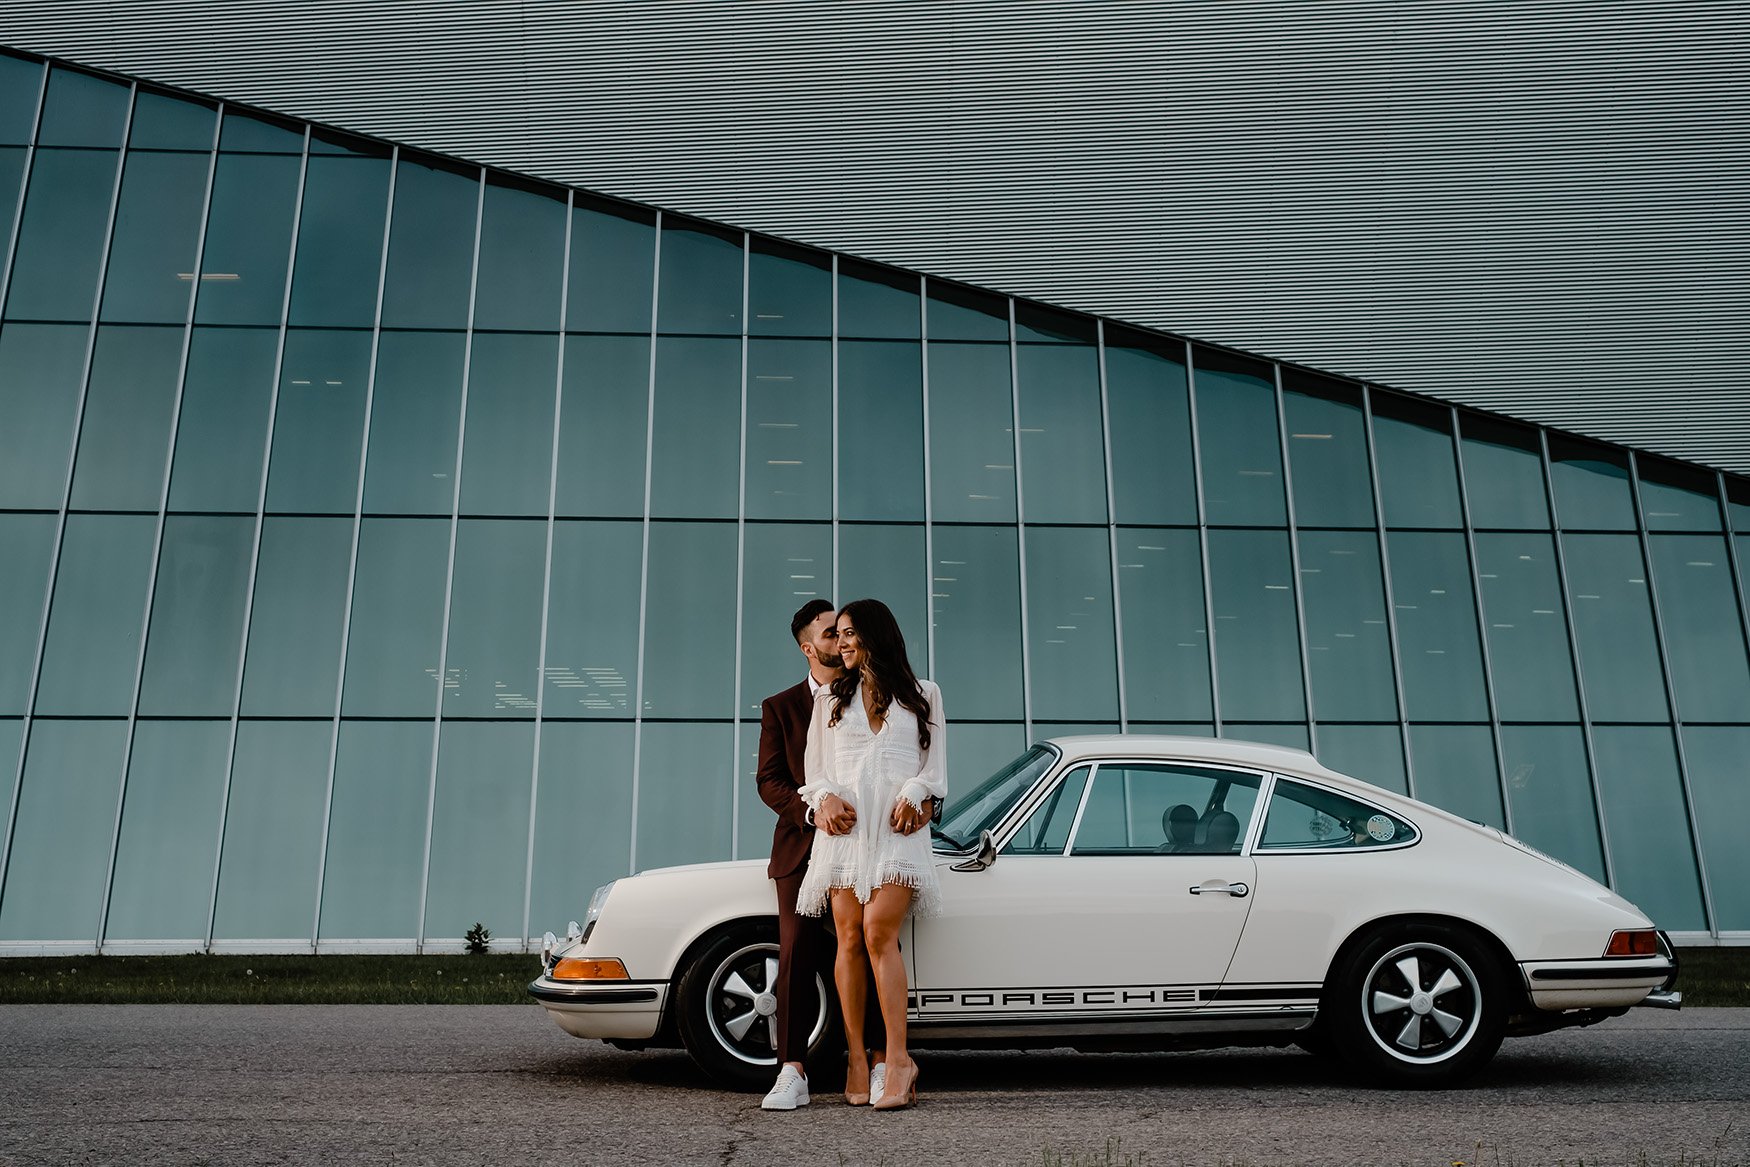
(625, 1010)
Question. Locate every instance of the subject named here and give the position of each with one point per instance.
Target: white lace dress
(872, 771)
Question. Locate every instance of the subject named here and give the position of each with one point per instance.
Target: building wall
(393, 545)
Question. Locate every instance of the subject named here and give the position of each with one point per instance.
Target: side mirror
(983, 857)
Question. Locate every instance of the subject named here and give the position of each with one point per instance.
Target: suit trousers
(806, 947)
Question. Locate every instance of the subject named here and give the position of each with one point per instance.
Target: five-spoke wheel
(728, 1006)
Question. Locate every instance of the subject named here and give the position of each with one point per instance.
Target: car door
(1123, 894)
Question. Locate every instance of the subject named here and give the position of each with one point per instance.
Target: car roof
(1209, 749)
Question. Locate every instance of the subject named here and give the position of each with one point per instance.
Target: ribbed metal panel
(1534, 208)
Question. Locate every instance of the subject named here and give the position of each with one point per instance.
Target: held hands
(835, 816)
(908, 819)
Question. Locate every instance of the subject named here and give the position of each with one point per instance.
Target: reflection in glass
(789, 290)
(613, 267)
(319, 422)
(1327, 451)
(293, 661)
(1372, 753)
(124, 437)
(592, 620)
(1503, 473)
(1150, 423)
(1069, 623)
(522, 253)
(888, 562)
(1063, 454)
(55, 873)
(221, 429)
(976, 583)
(1648, 825)
(603, 420)
(1591, 485)
(42, 369)
(684, 794)
(784, 565)
(495, 619)
(260, 133)
(958, 313)
(1438, 650)
(972, 434)
(416, 408)
(507, 461)
(480, 829)
(980, 750)
(689, 634)
(1738, 502)
(1035, 323)
(24, 577)
(701, 279)
(249, 231)
(1166, 651)
(157, 230)
(61, 238)
(1718, 761)
(877, 302)
(163, 122)
(694, 472)
(1236, 429)
(339, 142)
(376, 831)
(1704, 636)
(1675, 497)
(163, 884)
(1256, 633)
(1528, 639)
(583, 817)
(1455, 770)
(82, 110)
(397, 618)
(1418, 483)
(789, 429)
(340, 241)
(273, 831)
(21, 85)
(11, 175)
(1348, 648)
(1550, 789)
(431, 244)
(881, 431)
(197, 616)
(95, 619)
(1613, 628)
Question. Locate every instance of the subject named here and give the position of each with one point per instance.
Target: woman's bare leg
(851, 974)
(883, 916)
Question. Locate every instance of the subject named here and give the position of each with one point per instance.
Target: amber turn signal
(1640, 942)
(582, 969)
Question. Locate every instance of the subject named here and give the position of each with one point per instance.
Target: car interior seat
(1223, 834)
(1179, 824)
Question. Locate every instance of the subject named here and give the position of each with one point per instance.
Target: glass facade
(393, 545)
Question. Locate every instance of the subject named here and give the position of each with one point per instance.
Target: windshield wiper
(938, 833)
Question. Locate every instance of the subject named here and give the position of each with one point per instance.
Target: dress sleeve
(932, 779)
(817, 758)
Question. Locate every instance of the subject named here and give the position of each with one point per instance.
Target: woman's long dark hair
(884, 664)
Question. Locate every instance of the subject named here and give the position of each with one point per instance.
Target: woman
(876, 752)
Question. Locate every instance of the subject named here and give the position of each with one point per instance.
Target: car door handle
(1232, 889)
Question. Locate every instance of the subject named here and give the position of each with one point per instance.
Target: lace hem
(814, 897)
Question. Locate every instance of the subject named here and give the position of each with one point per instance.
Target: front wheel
(728, 1003)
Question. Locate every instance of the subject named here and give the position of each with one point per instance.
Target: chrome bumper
(627, 1010)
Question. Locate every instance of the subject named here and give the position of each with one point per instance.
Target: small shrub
(479, 939)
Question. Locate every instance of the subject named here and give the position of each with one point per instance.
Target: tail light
(1638, 942)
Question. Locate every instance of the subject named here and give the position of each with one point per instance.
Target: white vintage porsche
(1131, 892)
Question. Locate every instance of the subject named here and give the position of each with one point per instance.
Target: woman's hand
(908, 819)
(836, 816)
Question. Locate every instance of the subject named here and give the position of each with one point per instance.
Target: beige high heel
(906, 1095)
(858, 1098)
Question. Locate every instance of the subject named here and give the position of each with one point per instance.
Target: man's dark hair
(806, 615)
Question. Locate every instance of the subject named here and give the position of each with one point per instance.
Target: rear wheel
(728, 1005)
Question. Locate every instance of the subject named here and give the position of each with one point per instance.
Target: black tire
(1316, 1038)
(723, 1004)
(1417, 1005)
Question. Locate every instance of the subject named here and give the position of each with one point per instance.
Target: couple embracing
(853, 762)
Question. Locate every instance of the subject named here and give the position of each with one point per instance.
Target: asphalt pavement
(501, 1084)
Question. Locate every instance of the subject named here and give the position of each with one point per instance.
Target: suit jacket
(784, 719)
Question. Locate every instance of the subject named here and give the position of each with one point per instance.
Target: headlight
(597, 901)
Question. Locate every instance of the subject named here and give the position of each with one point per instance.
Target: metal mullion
(1476, 583)
(644, 550)
(1600, 822)
(836, 468)
(1203, 542)
(158, 535)
(740, 571)
(1647, 567)
(547, 566)
(1020, 528)
(443, 673)
(30, 149)
(1732, 556)
(1111, 524)
(1391, 608)
(929, 482)
(1312, 739)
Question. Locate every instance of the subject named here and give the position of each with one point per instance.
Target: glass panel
(157, 229)
(163, 122)
(881, 431)
(273, 831)
(978, 622)
(257, 132)
(958, 313)
(338, 142)
(784, 566)
(684, 794)
(583, 818)
(1528, 639)
(1063, 459)
(1348, 649)
(197, 617)
(1035, 323)
(789, 290)
(1166, 650)
(163, 885)
(1144, 810)
(1150, 421)
(1327, 451)
(889, 563)
(11, 175)
(1307, 817)
(221, 430)
(60, 241)
(376, 831)
(984, 802)
(1418, 482)
(701, 279)
(1046, 831)
(602, 425)
(1704, 637)
(613, 266)
(21, 84)
(124, 439)
(480, 829)
(1613, 624)
(1718, 759)
(94, 622)
(1295, 737)
(24, 578)
(1455, 770)
(1069, 618)
(694, 471)
(789, 429)
(495, 619)
(1438, 651)
(319, 422)
(293, 663)
(1256, 634)
(42, 369)
(877, 302)
(249, 235)
(397, 618)
(60, 842)
(691, 618)
(1591, 484)
(11, 738)
(431, 245)
(1649, 829)
(1236, 430)
(1550, 789)
(1738, 502)
(1372, 753)
(1676, 497)
(82, 110)
(972, 434)
(340, 241)
(507, 462)
(592, 619)
(522, 256)
(1503, 473)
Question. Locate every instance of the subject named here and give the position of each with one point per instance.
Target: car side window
(1160, 808)
(1307, 818)
(1047, 829)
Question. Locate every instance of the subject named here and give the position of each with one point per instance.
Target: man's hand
(908, 819)
(835, 816)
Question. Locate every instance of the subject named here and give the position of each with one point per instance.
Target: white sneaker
(878, 1081)
(788, 1092)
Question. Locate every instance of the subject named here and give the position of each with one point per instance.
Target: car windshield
(984, 807)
